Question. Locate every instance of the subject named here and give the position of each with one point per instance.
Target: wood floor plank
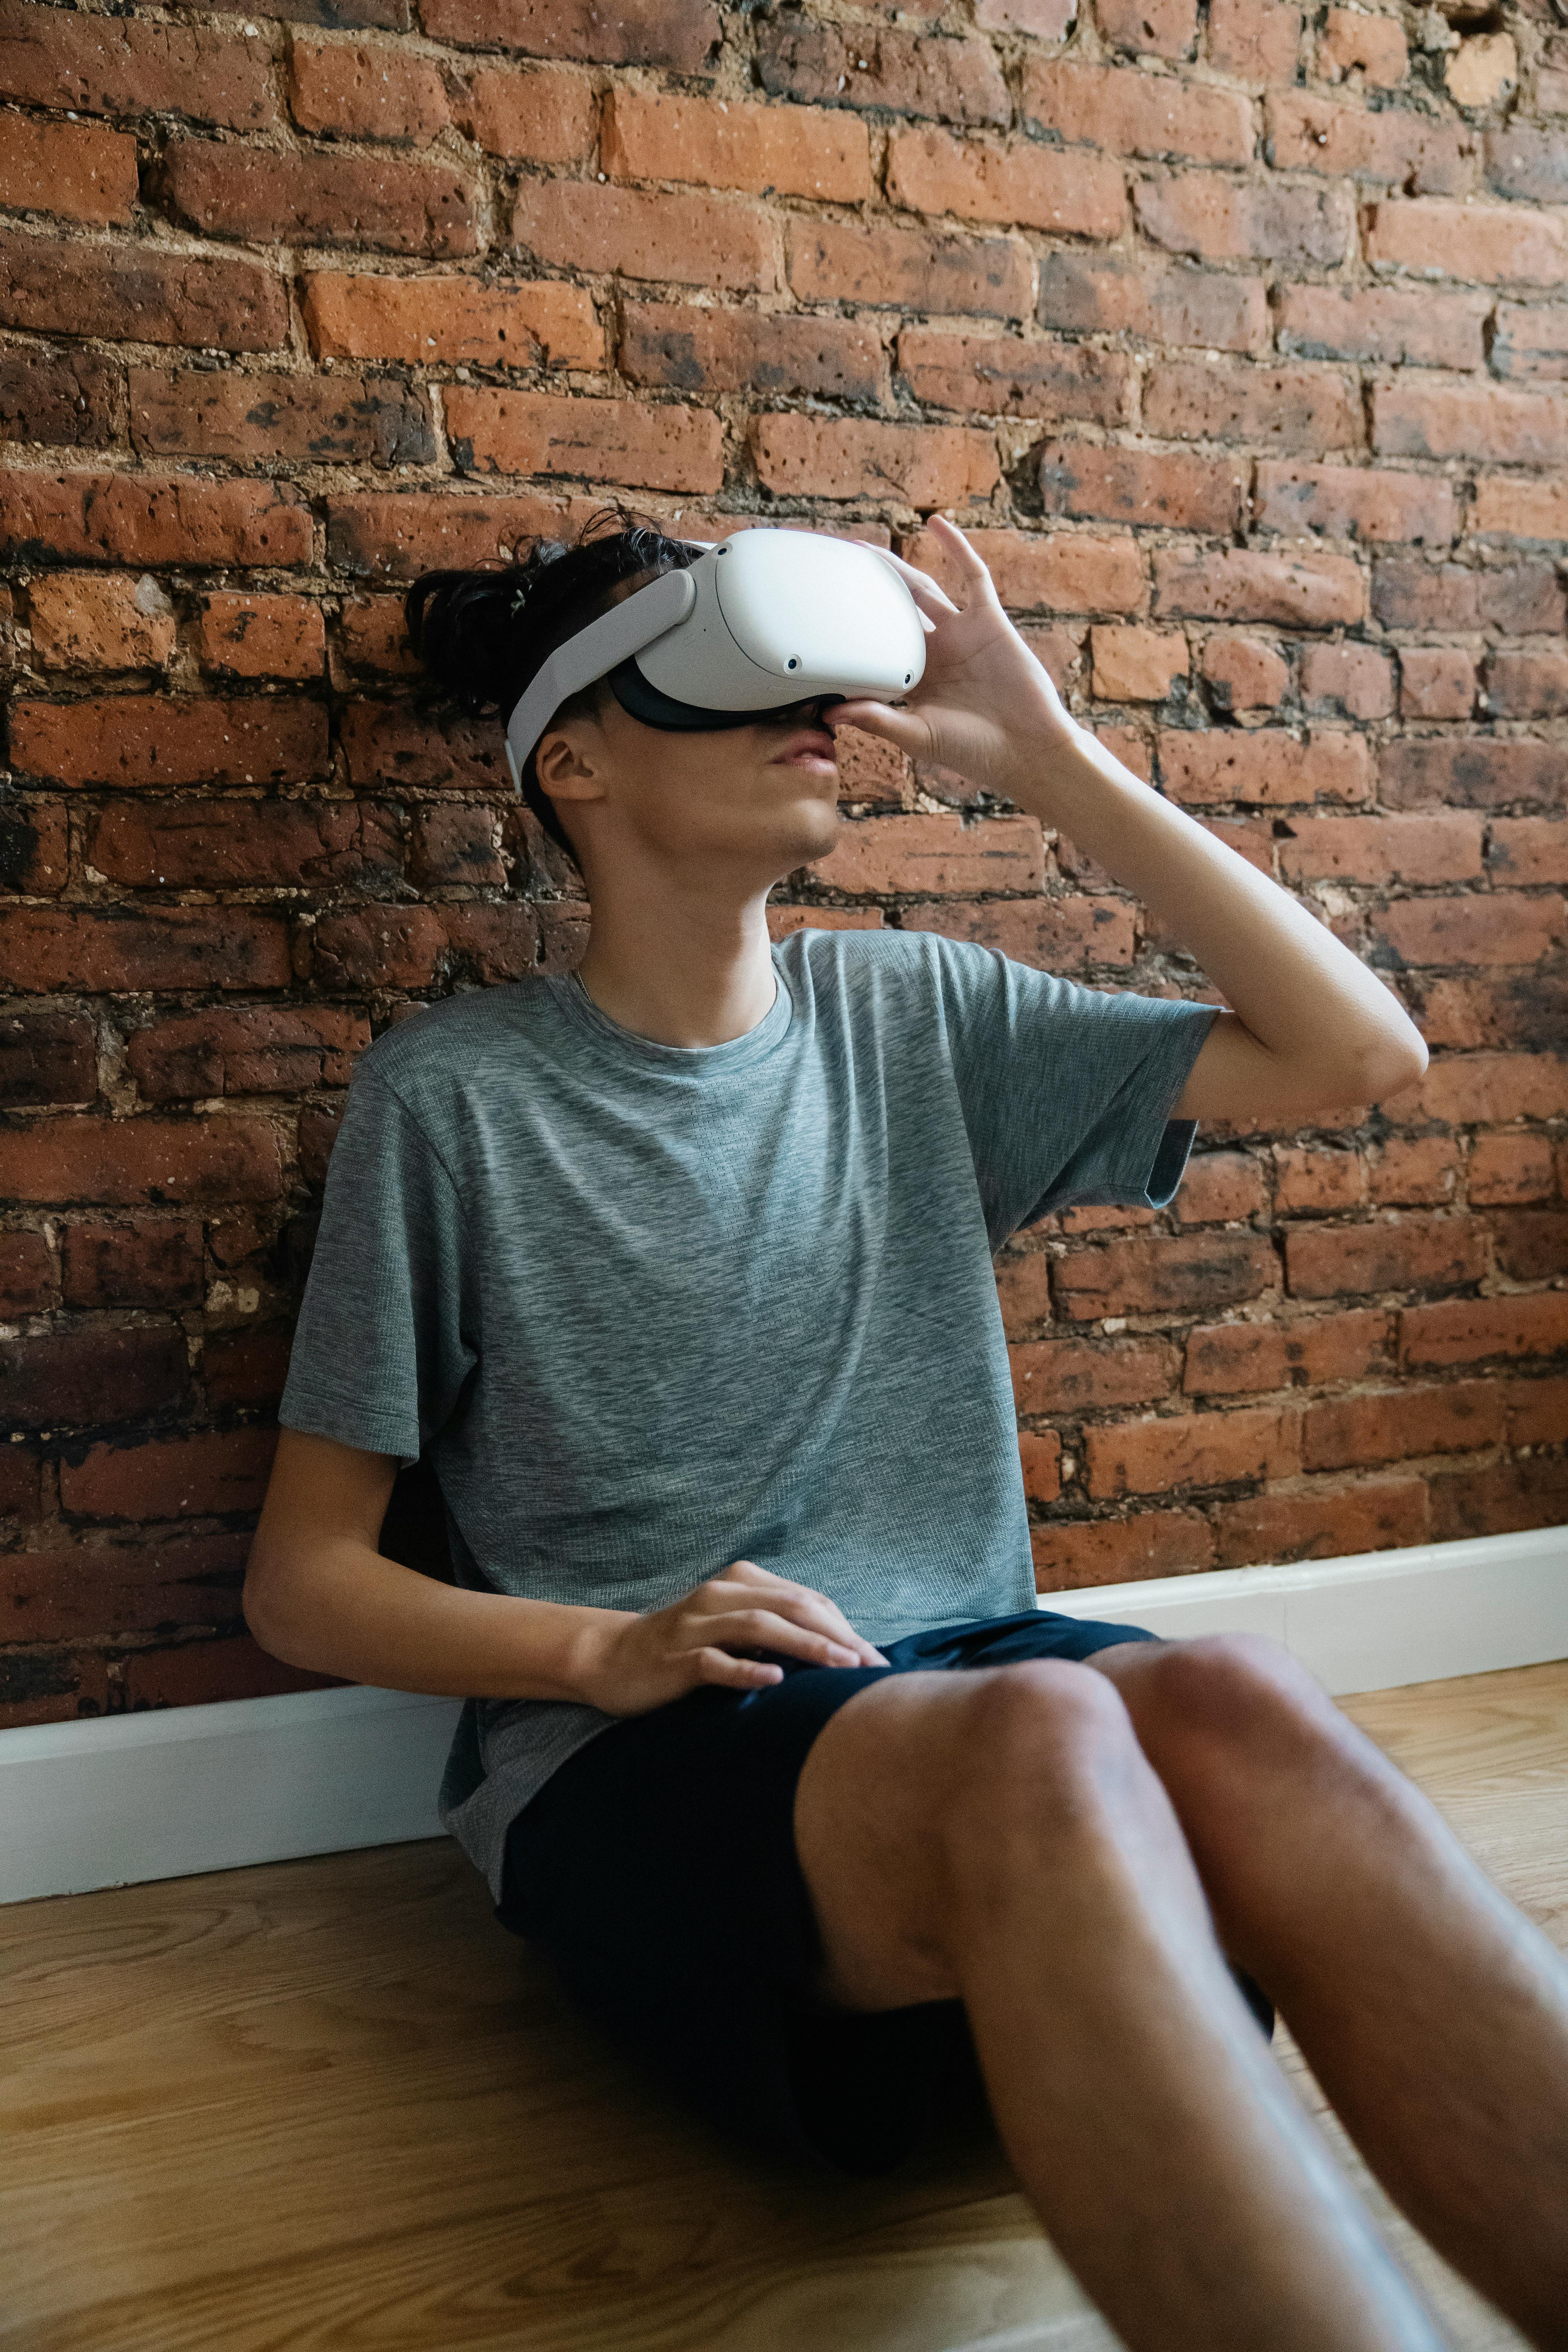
(331, 2105)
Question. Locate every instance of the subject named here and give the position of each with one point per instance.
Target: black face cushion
(641, 701)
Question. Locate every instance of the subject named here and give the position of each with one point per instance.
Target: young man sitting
(678, 1267)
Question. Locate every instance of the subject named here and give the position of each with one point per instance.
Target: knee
(1039, 1742)
(1238, 1691)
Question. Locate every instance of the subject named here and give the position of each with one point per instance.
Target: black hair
(485, 634)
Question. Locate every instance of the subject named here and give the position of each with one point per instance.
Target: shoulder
(854, 959)
(439, 1052)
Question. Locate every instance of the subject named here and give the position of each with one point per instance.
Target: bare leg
(1000, 1835)
(1432, 2011)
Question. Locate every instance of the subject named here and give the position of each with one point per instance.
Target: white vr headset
(758, 625)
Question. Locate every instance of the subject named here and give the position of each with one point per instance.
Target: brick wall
(1235, 335)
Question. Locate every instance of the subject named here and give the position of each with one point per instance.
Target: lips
(814, 739)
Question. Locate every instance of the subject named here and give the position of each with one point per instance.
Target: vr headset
(758, 625)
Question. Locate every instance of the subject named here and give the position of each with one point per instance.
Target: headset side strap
(595, 651)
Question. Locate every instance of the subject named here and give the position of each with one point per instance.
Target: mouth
(814, 748)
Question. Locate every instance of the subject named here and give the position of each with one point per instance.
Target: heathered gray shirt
(653, 1308)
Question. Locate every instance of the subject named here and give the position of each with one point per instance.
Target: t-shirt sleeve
(1067, 1091)
(384, 1344)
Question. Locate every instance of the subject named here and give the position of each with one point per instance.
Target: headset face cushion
(639, 699)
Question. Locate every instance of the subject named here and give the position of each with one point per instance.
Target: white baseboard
(109, 1800)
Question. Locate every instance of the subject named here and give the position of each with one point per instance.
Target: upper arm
(1236, 1078)
(319, 1494)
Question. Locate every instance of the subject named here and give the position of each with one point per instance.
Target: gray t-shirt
(653, 1308)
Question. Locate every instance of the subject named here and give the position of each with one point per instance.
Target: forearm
(1305, 997)
(346, 1610)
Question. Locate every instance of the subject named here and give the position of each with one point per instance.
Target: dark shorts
(657, 1871)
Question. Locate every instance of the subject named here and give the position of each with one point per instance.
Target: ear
(567, 765)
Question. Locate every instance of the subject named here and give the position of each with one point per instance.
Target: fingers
(968, 561)
(739, 1674)
(921, 585)
(810, 1608)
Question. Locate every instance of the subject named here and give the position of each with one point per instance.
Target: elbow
(264, 1619)
(1393, 1064)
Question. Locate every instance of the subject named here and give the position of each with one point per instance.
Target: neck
(682, 964)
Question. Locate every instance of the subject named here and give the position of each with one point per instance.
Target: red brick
(1530, 340)
(136, 1264)
(29, 1283)
(154, 739)
(247, 1366)
(318, 1131)
(740, 351)
(1268, 768)
(457, 844)
(116, 948)
(35, 846)
(1205, 1449)
(1070, 1375)
(917, 271)
(1348, 681)
(1091, 479)
(1132, 113)
(492, 943)
(1437, 682)
(76, 169)
(171, 1162)
(1354, 502)
(1508, 507)
(171, 1477)
(383, 947)
(1310, 1180)
(390, 744)
(718, 242)
(1373, 46)
(1241, 220)
(1532, 1246)
(200, 1672)
(1071, 1554)
(848, 457)
(1003, 376)
(1486, 1090)
(1518, 599)
(1040, 1458)
(151, 519)
(140, 293)
(1402, 325)
(243, 635)
(1133, 665)
(1312, 1523)
(87, 620)
(51, 1686)
(204, 843)
(1392, 1424)
(320, 198)
(1021, 187)
(681, 33)
(1420, 1170)
(1400, 1254)
(1284, 408)
(1239, 1359)
(1151, 1275)
(372, 634)
(1070, 934)
(376, 420)
(111, 65)
(1489, 244)
(1023, 1291)
(661, 448)
(907, 73)
(1040, 572)
(1162, 28)
(46, 1058)
(1510, 1166)
(20, 1491)
(1529, 685)
(72, 400)
(357, 90)
(1441, 848)
(1306, 592)
(1045, 20)
(77, 1376)
(89, 1590)
(1220, 1187)
(1502, 926)
(1245, 673)
(1528, 162)
(544, 112)
(1107, 293)
(1416, 419)
(1494, 1501)
(507, 323)
(934, 853)
(259, 1049)
(764, 150)
(1392, 147)
(1538, 1411)
(1527, 849)
(1469, 772)
(1256, 40)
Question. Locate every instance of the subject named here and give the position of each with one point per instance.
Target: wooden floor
(332, 2104)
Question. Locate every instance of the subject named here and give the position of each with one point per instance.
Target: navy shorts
(655, 1871)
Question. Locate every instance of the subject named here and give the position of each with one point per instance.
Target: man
(681, 1269)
